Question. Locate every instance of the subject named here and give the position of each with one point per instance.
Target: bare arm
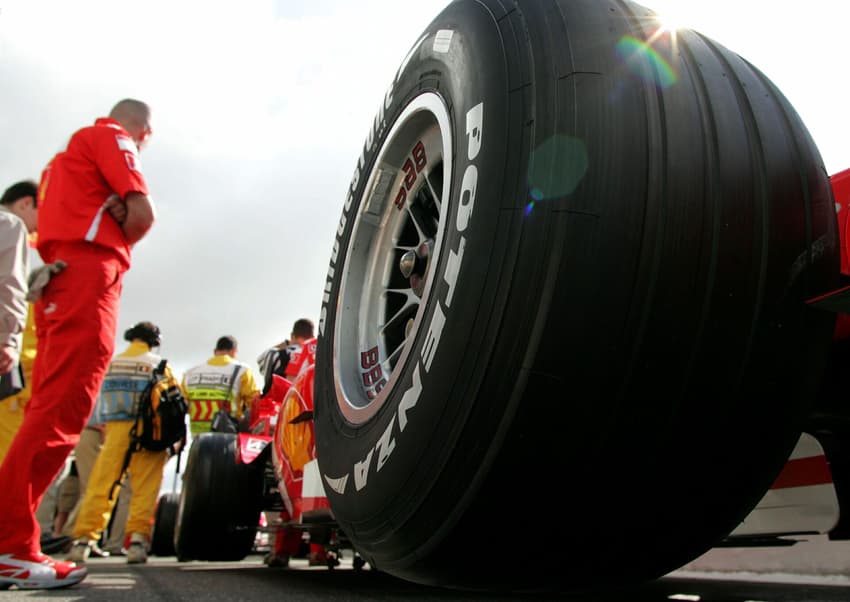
(140, 216)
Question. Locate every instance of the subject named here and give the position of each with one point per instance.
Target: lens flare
(670, 22)
(556, 167)
(673, 15)
(645, 62)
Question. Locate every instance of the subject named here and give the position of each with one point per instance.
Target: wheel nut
(407, 263)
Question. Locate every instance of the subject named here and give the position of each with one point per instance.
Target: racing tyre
(165, 517)
(220, 501)
(569, 282)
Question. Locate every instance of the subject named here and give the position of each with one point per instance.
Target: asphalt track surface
(166, 579)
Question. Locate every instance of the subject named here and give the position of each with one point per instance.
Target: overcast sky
(260, 111)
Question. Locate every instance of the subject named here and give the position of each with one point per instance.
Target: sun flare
(673, 16)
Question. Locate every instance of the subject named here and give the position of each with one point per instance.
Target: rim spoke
(404, 248)
(392, 357)
(417, 222)
(437, 200)
(411, 303)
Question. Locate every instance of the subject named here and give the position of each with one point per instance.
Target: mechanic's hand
(8, 358)
(116, 208)
(39, 278)
(244, 425)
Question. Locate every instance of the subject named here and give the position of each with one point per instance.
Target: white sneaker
(96, 551)
(38, 571)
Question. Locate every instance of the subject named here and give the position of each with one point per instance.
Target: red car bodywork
(283, 417)
(841, 190)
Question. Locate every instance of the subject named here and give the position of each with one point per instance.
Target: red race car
(264, 480)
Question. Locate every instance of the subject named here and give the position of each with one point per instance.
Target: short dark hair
(146, 331)
(226, 343)
(19, 190)
(303, 328)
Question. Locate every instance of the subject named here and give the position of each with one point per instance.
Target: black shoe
(276, 561)
(52, 545)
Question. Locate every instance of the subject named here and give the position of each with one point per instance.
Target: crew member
(93, 207)
(299, 355)
(220, 383)
(127, 377)
(18, 219)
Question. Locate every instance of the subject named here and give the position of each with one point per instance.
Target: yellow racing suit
(128, 375)
(12, 407)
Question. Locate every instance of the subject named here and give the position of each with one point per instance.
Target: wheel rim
(391, 257)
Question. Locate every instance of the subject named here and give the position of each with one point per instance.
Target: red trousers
(76, 320)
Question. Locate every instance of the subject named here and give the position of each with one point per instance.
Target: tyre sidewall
(410, 438)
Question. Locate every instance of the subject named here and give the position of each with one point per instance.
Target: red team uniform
(76, 317)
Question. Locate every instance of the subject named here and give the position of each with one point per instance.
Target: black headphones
(146, 331)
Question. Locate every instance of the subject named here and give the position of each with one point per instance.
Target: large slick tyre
(566, 300)
(220, 502)
(165, 517)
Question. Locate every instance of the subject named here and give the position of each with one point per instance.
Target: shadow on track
(166, 580)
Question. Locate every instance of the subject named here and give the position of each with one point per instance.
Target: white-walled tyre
(568, 282)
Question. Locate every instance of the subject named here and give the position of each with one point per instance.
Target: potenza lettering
(381, 453)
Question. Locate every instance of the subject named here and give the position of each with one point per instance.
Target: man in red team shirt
(93, 206)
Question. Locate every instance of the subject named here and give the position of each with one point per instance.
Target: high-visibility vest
(210, 388)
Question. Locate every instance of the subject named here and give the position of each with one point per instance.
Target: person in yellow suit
(222, 382)
(12, 407)
(128, 375)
